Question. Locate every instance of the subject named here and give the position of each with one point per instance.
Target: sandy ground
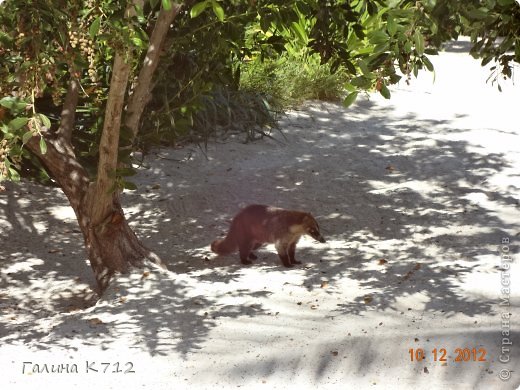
(417, 197)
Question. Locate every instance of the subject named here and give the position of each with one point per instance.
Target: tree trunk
(111, 244)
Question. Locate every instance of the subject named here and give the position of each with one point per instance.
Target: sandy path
(427, 182)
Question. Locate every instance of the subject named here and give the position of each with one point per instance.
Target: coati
(258, 224)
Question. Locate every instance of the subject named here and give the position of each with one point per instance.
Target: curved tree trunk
(112, 246)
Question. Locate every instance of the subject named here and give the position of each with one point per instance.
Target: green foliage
(226, 65)
(289, 80)
(43, 45)
(196, 94)
(494, 29)
(210, 115)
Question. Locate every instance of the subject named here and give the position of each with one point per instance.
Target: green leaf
(218, 10)
(477, 13)
(376, 60)
(138, 42)
(26, 137)
(361, 82)
(299, 32)
(427, 63)
(167, 5)
(364, 68)
(349, 87)
(94, 27)
(12, 103)
(45, 120)
(13, 175)
(129, 185)
(419, 43)
(506, 44)
(378, 37)
(359, 31)
(486, 60)
(265, 22)
(391, 25)
(350, 66)
(43, 146)
(140, 13)
(197, 9)
(384, 91)
(350, 99)
(18, 123)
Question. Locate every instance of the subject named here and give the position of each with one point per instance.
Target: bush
(290, 80)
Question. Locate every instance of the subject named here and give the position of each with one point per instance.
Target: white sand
(428, 181)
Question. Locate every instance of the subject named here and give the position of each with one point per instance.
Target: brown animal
(258, 224)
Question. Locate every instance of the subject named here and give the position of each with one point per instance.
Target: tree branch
(142, 91)
(101, 202)
(101, 196)
(68, 112)
(61, 163)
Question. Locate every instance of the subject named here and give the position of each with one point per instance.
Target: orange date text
(441, 355)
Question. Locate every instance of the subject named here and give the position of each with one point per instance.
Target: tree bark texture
(101, 196)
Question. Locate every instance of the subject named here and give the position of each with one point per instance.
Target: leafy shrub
(291, 79)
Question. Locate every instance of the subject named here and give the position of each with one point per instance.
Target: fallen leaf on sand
(416, 267)
(95, 321)
(368, 299)
(145, 274)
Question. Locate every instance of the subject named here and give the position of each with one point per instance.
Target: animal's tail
(225, 246)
